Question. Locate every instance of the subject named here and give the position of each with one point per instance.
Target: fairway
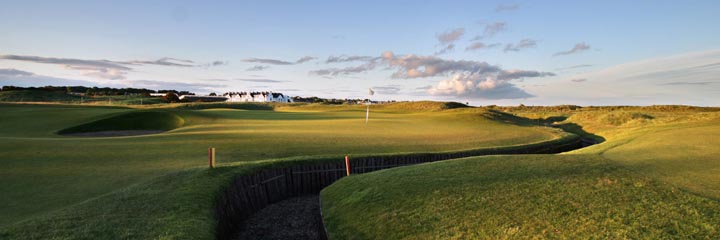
(43, 171)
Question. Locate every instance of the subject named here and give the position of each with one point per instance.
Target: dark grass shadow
(588, 138)
(552, 121)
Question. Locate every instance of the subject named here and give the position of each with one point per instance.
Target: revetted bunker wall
(247, 194)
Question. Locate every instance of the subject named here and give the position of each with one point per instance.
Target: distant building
(157, 94)
(257, 97)
(195, 98)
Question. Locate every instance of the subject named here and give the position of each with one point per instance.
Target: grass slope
(655, 176)
(43, 172)
(141, 120)
(519, 197)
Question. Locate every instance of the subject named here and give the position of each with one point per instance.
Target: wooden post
(347, 165)
(211, 157)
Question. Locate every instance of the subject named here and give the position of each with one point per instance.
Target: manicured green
(655, 176)
(67, 180)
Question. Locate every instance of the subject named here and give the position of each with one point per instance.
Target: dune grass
(43, 173)
(655, 176)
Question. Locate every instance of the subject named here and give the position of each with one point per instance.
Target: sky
(479, 52)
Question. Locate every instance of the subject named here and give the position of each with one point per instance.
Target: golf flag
(367, 113)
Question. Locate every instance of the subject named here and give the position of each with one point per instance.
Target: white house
(257, 97)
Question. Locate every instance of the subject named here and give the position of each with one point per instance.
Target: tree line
(95, 91)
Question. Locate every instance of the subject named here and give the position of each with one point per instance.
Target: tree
(213, 94)
(171, 97)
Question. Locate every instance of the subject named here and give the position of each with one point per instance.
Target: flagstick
(367, 113)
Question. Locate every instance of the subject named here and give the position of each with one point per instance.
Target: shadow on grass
(552, 121)
(588, 138)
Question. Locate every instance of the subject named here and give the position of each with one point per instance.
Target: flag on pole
(367, 113)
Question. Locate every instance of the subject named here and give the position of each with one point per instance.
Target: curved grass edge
(129, 121)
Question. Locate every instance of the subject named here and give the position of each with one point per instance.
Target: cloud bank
(467, 78)
(107, 69)
(277, 61)
(450, 36)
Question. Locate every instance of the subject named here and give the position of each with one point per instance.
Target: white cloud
(446, 49)
(523, 44)
(257, 68)
(414, 66)
(344, 58)
(106, 69)
(277, 61)
(481, 45)
(580, 47)
(305, 59)
(478, 86)
(450, 36)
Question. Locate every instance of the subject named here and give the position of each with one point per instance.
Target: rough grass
(515, 197)
(44, 172)
(654, 177)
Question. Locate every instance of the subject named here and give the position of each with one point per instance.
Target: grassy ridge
(660, 168)
(44, 172)
(142, 120)
(518, 197)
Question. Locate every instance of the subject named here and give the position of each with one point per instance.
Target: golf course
(130, 171)
(654, 177)
(158, 185)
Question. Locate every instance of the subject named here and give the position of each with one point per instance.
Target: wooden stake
(347, 165)
(211, 157)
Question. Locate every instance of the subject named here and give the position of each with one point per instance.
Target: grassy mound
(518, 197)
(143, 120)
(622, 117)
(422, 105)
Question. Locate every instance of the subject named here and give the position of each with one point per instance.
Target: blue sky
(499, 52)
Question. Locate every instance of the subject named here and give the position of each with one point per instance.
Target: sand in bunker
(117, 133)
